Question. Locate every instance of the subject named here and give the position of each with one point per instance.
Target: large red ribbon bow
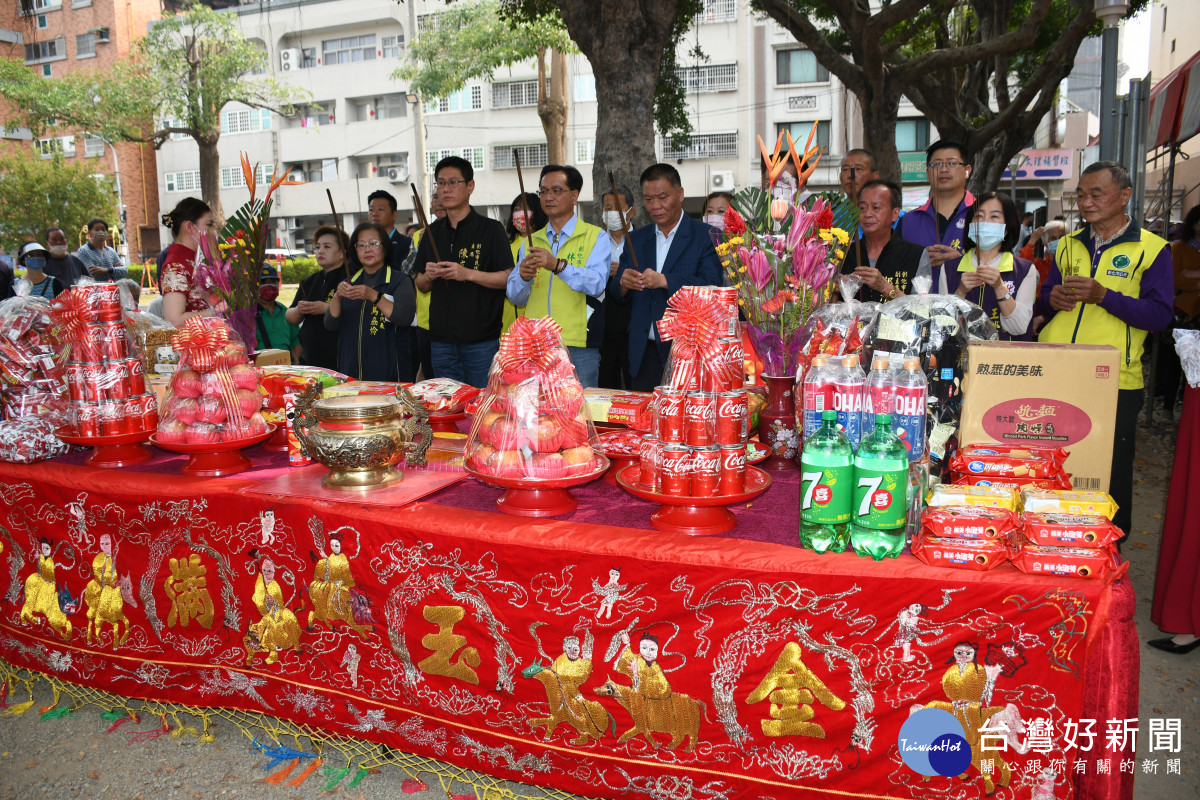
(200, 342)
(535, 342)
(694, 321)
(72, 312)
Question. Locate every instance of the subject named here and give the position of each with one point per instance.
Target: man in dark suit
(673, 251)
(381, 208)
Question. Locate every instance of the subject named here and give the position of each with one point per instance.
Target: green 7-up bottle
(826, 475)
(880, 508)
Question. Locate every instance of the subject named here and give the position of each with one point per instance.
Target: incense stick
(619, 201)
(524, 204)
(419, 207)
(337, 223)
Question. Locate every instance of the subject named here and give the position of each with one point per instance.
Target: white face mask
(716, 220)
(58, 250)
(988, 235)
(612, 219)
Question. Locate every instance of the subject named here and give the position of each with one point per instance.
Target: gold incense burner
(362, 438)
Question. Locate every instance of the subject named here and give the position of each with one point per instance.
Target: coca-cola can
(116, 383)
(705, 472)
(732, 479)
(673, 470)
(87, 418)
(108, 302)
(734, 358)
(95, 381)
(86, 349)
(648, 449)
(728, 298)
(76, 381)
(668, 414)
(110, 418)
(699, 419)
(137, 376)
(685, 374)
(131, 415)
(112, 342)
(731, 417)
(711, 379)
(149, 411)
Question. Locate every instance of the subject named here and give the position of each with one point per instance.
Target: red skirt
(1176, 606)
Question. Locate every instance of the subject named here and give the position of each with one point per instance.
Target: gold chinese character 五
(187, 589)
(446, 645)
(792, 687)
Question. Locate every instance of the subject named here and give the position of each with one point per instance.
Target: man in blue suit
(674, 251)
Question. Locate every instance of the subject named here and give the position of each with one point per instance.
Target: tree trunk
(879, 109)
(552, 105)
(991, 159)
(210, 177)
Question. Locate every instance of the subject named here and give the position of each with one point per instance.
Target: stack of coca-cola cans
(105, 380)
(697, 443)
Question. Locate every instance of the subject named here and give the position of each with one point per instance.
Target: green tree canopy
(39, 193)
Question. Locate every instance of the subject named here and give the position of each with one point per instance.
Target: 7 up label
(825, 491)
(879, 498)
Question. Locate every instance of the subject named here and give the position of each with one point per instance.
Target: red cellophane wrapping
(32, 362)
(214, 396)
(1009, 461)
(278, 381)
(695, 322)
(532, 422)
(968, 522)
(443, 395)
(972, 554)
(1080, 562)
(1069, 530)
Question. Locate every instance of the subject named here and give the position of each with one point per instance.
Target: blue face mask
(988, 235)
(1052, 247)
(35, 262)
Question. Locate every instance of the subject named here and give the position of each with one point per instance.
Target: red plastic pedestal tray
(693, 516)
(528, 497)
(109, 452)
(619, 462)
(214, 460)
(445, 423)
(278, 441)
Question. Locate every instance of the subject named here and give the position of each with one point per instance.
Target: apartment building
(57, 37)
(1174, 40)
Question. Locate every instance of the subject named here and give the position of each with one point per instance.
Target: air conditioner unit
(297, 175)
(102, 35)
(289, 59)
(397, 174)
(721, 181)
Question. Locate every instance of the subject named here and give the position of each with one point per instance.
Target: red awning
(1175, 105)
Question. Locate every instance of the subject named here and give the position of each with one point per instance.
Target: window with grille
(473, 155)
(708, 78)
(798, 66)
(174, 123)
(186, 181)
(392, 46)
(391, 106)
(57, 145)
(44, 51)
(246, 120)
(703, 145)
(44, 5)
(800, 132)
(585, 88)
(348, 50)
(585, 151)
(514, 95)
(468, 98)
(85, 45)
(231, 177)
(532, 155)
(716, 11)
(93, 146)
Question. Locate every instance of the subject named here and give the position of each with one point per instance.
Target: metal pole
(419, 169)
(1139, 120)
(1108, 93)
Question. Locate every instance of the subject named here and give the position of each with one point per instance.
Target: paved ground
(71, 758)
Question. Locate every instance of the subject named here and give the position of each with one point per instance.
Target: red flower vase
(777, 428)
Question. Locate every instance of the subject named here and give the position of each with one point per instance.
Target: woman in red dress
(190, 220)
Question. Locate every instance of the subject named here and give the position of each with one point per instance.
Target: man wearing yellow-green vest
(567, 264)
(1112, 283)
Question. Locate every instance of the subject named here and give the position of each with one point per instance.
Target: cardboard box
(1050, 395)
(271, 357)
(613, 406)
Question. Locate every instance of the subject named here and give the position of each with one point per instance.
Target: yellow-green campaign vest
(422, 297)
(510, 311)
(551, 296)
(1120, 268)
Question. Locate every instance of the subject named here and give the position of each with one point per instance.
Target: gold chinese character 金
(792, 688)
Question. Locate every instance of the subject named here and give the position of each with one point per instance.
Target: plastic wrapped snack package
(1051, 501)
(937, 329)
(968, 522)
(213, 396)
(1187, 345)
(983, 496)
(30, 439)
(532, 422)
(443, 395)
(32, 361)
(1069, 530)
(838, 329)
(973, 554)
(276, 382)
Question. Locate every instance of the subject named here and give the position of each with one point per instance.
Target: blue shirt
(590, 279)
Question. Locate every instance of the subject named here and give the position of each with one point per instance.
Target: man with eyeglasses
(673, 251)
(567, 266)
(466, 288)
(939, 225)
(1111, 283)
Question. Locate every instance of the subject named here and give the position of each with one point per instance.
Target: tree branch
(797, 24)
(1023, 36)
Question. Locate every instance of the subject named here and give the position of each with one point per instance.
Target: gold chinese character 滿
(446, 644)
(792, 687)
(187, 589)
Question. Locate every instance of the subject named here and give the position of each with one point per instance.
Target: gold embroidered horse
(677, 715)
(587, 717)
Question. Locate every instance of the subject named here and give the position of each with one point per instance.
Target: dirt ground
(71, 758)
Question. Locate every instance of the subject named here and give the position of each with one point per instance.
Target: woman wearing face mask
(1047, 237)
(189, 221)
(614, 349)
(61, 263)
(519, 224)
(988, 274)
(715, 206)
(33, 258)
(372, 311)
